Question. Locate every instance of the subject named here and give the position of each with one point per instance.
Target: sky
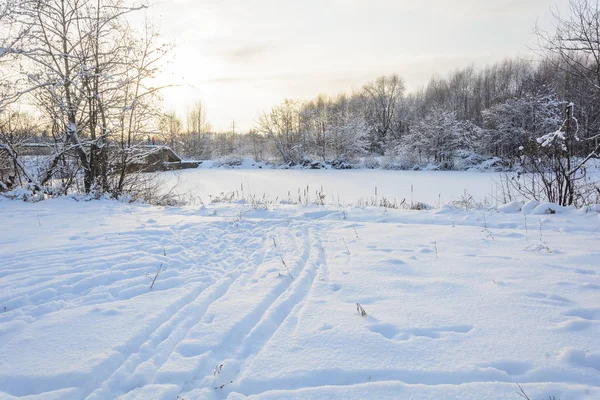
(242, 57)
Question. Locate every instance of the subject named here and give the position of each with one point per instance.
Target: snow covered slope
(263, 304)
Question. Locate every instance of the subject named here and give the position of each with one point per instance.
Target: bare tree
(382, 97)
(197, 120)
(574, 48)
(171, 128)
(282, 126)
(90, 75)
(16, 128)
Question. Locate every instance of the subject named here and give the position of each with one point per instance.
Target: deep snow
(460, 304)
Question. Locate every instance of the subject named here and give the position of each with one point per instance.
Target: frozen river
(349, 186)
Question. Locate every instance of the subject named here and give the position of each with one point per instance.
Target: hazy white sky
(241, 57)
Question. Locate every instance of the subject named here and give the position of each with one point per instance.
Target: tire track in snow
(154, 352)
(65, 279)
(284, 309)
(327, 378)
(288, 300)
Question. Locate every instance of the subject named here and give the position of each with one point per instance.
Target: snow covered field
(262, 304)
(349, 186)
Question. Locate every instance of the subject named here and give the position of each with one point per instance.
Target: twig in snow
(159, 271)
(541, 246)
(361, 311)
(486, 230)
(223, 385)
(238, 219)
(282, 260)
(436, 251)
(346, 244)
(522, 393)
(218, 369)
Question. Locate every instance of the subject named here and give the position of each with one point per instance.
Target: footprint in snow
(590, 314)
(208, 319)
(395, 261)
(575, 325)
(581, 319)
(378, 249)
(335, 287)
(582, 358)
(553, 299)
(393, 332)
(510, 367)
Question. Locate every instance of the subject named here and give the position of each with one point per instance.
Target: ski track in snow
(264, 306)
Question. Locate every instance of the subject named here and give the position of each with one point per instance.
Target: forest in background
(88, 74)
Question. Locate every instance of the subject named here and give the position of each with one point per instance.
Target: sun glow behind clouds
(242, 57)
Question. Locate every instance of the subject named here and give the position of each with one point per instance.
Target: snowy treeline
(470, 115)
(80, 73)
(497, 111)
(87, 76)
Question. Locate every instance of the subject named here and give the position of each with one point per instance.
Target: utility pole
(233, 130)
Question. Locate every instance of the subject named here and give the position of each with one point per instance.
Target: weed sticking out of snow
(223, 385)
(282, 259)
(361, 311)
(239, 217)
(541, 246)
(154, 277)
(486, 230)
(346, 244)
(524, 395)
(218, 369)
(466, 202)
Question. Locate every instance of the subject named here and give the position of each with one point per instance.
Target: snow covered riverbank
(263, 303)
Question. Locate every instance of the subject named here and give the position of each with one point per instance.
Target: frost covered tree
(316, 120)
(513, 126)
(381, 106)
(16, 128)
(438, 136)
(574, 49)
(89, 73)
(551, 170)
(349, 130)
(282, 126)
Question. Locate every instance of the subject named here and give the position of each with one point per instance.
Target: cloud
(244, 53)
(234, 49)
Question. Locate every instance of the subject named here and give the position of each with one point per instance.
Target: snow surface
(347, 186)
(459, 304)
